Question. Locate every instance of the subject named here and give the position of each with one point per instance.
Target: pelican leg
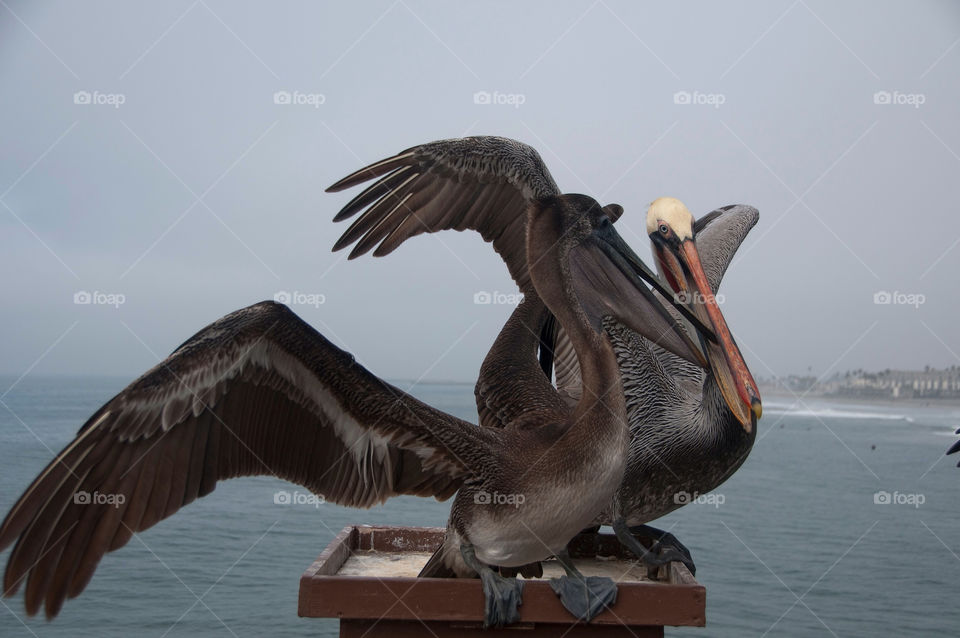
(583, 596)
(501, 596)
(659, 554)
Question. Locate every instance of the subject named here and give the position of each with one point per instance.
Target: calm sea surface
(793, 545)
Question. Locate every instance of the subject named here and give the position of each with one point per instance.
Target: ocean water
(795, 544)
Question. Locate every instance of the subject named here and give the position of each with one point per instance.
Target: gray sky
(199, 195)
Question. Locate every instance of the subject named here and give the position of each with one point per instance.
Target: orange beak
(685, 274)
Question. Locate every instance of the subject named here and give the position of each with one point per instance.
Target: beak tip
(753, 415)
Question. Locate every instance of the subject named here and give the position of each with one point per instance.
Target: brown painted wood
(413, 629)
(678, 600)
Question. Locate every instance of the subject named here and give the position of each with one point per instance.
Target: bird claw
(665, 549)
(667, 541)
(662, 555)
(585, 597)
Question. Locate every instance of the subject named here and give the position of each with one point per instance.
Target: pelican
(690, 429)
(260, 392)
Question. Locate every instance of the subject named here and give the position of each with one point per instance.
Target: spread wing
(478, 183)
(718, 235)
(258, 392)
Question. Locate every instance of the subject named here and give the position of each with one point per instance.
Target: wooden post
(366, 577)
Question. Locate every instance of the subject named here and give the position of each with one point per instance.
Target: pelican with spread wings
(260, 392)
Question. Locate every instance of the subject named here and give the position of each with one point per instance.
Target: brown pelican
(691, 428)
(681, 436)
(260, 392)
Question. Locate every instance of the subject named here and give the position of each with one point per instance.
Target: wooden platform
(366, 577)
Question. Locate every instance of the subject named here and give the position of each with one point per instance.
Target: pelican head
(670, 227)
(668, 213)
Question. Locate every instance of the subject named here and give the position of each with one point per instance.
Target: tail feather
(437, 567)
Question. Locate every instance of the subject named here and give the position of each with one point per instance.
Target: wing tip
(954, 449)
(339, 185)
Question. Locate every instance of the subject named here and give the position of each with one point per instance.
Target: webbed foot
(501, 596)
(501, 599)
(585, 596)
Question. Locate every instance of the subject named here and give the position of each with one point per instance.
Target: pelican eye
(664, 229)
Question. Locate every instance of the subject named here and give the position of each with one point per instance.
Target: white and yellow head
(672, 214)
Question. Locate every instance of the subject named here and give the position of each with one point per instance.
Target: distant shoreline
(765, 391)
(885, 401)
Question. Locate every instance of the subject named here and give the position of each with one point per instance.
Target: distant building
(888, 384)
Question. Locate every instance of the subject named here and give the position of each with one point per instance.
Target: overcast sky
(185, 188)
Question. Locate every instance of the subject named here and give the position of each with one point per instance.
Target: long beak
(640, 269)
(606, 284)
(736, 383)
(606, 280)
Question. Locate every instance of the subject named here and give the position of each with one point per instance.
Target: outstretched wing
(477, 183)
(258, 392)
(718, 235)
